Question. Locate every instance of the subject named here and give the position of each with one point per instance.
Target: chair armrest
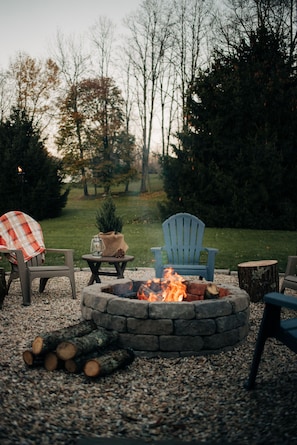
(210, 250)
(17, 254)
(157, 251)
(68, 255)
(278, 299)
(59, 250)
(291, 266)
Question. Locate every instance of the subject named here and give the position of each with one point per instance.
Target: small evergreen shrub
(106, 218)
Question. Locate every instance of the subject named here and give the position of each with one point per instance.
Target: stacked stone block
(168, 329)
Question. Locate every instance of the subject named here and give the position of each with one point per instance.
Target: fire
(170, 288)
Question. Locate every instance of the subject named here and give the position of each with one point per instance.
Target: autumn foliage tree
(91, 135)
(34, 84)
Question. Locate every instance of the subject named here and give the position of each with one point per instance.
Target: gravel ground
(193, 398)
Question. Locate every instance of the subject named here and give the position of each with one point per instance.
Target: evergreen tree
(31, 179)
(237, 164)
(106, 218)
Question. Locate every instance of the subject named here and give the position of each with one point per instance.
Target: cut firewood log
(31, 359)
(211, 292)
(48, 341)
(76, 365)
(52, 361)
(100, 338)
(108, 363)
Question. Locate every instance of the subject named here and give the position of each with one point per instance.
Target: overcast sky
(31, 25)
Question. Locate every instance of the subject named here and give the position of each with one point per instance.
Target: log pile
(79, 348)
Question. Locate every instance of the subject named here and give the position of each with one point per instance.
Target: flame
(170, 288)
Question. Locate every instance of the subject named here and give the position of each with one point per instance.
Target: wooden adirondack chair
(273, 325)
(183, 236)
(21, 240)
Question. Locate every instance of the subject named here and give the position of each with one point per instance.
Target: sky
(30, 26)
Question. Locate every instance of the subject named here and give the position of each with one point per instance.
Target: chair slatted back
(183, 235)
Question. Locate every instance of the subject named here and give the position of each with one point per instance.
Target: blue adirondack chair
(183, 236)
(274, 325)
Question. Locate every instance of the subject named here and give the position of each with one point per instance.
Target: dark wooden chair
(274, 326)
(183, 236)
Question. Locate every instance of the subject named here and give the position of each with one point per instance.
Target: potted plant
(110, 226)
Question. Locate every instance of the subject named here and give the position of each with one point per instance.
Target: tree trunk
(33, 360)
(108, 363)
(77, 346)
(49, 341)
(258, 278)
(144, 172)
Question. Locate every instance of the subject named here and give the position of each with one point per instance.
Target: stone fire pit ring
(168, 329)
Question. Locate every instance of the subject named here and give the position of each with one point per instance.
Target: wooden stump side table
(258, 278)
(95, 263)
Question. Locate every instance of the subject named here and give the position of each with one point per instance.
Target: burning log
(108, 363)
(76, 346)
(171, 288)
(32, 360)
(49, 341)
(211, 292)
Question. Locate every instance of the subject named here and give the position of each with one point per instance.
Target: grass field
(142, 230)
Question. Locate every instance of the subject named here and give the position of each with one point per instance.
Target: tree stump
(258, 278)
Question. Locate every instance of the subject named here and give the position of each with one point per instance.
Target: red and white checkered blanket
(20, 231)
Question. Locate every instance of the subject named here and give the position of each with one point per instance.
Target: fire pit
(169, 329)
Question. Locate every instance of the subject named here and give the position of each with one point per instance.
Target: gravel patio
(199, 399)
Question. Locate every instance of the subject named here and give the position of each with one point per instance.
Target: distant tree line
(215, 83)
(236, 161)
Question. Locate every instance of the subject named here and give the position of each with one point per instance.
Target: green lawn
(142, 230)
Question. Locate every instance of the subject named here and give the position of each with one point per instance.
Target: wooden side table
(95, 263)
(258, 278)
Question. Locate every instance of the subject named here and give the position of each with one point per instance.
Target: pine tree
(237, 163)
(31, 179)
(106, 218)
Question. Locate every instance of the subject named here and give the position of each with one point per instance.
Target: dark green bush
(106, 218)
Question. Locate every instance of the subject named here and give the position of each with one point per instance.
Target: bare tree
(169, 100)
(6, 95)
(191, 29)
(150, 28)
(74, 66)
(241, 17)
(103, 39)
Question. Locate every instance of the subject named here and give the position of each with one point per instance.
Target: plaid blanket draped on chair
(21, 240)
(20, 231)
